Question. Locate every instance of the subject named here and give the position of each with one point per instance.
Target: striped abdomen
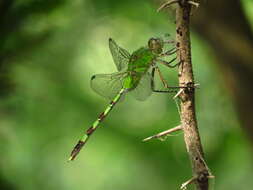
(95, 125)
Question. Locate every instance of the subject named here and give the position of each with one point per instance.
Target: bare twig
(181, 90)
(178, 93)
(164, 133)
(167, 4)
(188, 116)
(188, 182)
(194, 3)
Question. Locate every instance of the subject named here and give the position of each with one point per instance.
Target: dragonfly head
(155, 45)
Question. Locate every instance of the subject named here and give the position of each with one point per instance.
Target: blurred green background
(49, 51)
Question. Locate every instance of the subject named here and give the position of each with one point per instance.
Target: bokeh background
(50, 49)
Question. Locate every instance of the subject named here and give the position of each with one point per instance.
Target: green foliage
(50, 49)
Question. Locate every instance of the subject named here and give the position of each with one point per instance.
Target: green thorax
(140, 60)
(139, 63)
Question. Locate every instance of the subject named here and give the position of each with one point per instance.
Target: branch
(164, 133)
(188, 116)
(192, 140)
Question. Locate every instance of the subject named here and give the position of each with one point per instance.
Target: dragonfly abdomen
(95, 125)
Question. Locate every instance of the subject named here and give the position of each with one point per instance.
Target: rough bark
(188, 115)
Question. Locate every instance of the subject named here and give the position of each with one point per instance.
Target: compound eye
(151, 43)
(155, 45)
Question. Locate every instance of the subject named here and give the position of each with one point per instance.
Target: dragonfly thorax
(141, 60)
(139, 63)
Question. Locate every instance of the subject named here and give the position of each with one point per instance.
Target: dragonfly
(135, 74)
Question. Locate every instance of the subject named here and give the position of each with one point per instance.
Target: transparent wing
(120, 56)
(107, 85)
(143, 90)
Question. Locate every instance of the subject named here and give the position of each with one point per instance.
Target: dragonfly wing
(120, 56)
(107, 85)
(143, 90)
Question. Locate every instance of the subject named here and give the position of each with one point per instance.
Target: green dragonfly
(133, 77)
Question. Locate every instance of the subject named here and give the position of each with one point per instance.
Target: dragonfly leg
(165, 84)
(171, 89)
(169, 52)
(166, 63)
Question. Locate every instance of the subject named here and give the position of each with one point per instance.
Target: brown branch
(164, 133)
(167, 4)
(192, 140)
(188, 116)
